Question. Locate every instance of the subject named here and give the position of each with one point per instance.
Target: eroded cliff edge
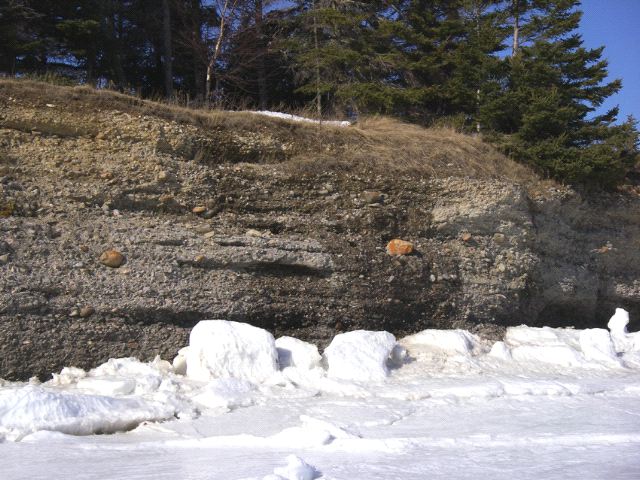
(290, 234)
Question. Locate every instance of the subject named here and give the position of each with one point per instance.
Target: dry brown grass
(379, 143)
(437, 151)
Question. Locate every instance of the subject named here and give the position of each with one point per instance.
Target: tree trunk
(216, 52)
(168, 54)
(262, 73)
(197, 48)
(315, 42)
(114, 26)
(478, 14)
(516, 27)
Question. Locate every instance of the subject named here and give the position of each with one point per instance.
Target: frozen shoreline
(371, 407)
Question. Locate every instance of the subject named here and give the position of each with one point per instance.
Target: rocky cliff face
(220, 224)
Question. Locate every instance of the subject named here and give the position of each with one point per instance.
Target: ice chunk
(296, 353)
(618, 323)
(109, 386)
(596, 345)
(545, 336)
(399, 356)
(562, 355)
(226, 393)
(296, 469)
(447, 341)
(623, 341)
(561, 346)
(32, 408)
(147, 377)
(312, 433)
(360, 355)
(179, 363)
(223, 349)
(500, 350)
(67, 376)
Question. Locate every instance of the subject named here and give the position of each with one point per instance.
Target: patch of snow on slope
(296, 118)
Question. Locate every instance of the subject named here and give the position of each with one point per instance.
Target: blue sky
(616, 24)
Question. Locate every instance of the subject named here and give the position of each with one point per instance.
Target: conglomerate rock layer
(241, 223)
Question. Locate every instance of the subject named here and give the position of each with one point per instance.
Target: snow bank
(360, 355)
(562, 355)
(574, 348)
(117, 376)
(31, 408)
(223, 349)
(564, 347)
(458, 342)
(296, 353)
(238, 364)
(296, 118)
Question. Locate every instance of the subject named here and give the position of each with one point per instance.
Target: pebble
(199, 209)
(373, 197)
(399, 247)
(4, 259)
(164, 176)
(86, 311)
(112, 258)
(254, 233)
(466, 237)
(499, 238)
(203, 229)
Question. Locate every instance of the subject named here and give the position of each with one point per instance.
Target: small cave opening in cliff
(585, 315)
(569, 314)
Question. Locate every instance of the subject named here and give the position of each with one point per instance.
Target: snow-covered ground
(237, 404)
(297, 118)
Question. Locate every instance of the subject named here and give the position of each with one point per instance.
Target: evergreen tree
(340, 52)
(18, 35)
(449, 65)
(545, 116)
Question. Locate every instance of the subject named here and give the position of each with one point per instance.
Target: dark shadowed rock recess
(220, 225)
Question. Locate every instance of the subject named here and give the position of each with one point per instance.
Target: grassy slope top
(379, 143)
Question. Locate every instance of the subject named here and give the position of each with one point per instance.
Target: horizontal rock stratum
(285, 237)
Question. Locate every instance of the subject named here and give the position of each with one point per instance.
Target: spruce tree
(18, 34)
(340, 51)
(546, 115)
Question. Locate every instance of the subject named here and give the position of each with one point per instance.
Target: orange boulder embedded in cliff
(399, 247)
